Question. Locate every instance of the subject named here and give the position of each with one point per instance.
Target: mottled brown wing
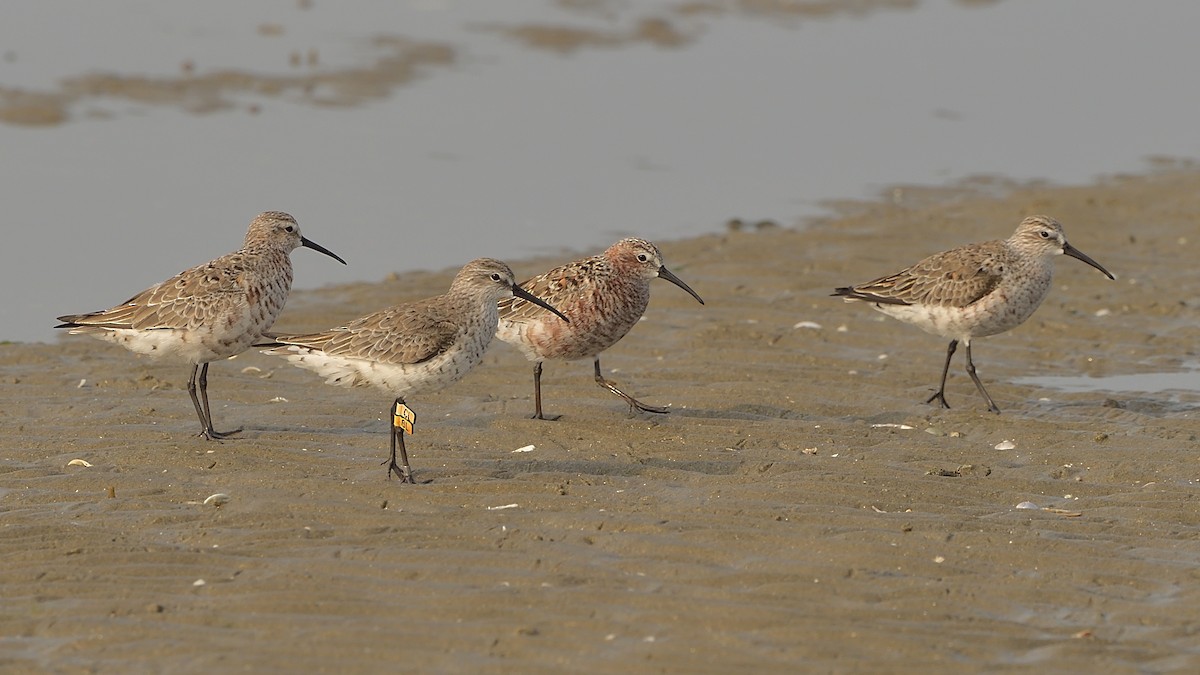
(186, 300)
(404, 334)
(954, 278)
(562, 288)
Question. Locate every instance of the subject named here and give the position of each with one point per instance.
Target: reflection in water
(652, 23)
(567, 39)
(218, 90)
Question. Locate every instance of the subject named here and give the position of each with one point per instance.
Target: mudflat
(800, 507)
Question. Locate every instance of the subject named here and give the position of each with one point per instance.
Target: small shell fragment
(79, 462)
(527, 448)
(1063, 512)
(889, 425)
(1029, 505)
(808, 324)
(1005, 445)
(218, 499)
(501, 508)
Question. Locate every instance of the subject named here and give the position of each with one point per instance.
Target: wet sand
(779, 519)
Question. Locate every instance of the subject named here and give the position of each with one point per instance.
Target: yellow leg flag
(403, 417)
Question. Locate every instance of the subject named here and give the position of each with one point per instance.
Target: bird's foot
(211, 434)
(634, 404)
(404, 473)
(940, 397)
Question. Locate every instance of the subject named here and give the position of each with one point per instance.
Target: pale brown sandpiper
(604, 296)
(209, 312)
(417, 346)
(973, 291)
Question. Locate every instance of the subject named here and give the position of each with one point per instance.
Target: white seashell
(527, 448)
(1029, 505)
(79, 462)
(218, 499)
(889, 425)
(199, 582)
(501, 508)
(808, 324)
(1005, 445)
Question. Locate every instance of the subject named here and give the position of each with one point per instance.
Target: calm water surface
(508, 148)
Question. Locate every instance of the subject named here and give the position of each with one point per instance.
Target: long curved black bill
(308, 243)
(665, 273)
(526, 295)
(1078, 255)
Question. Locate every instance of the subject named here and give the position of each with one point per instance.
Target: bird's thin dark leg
(191, 386)
(403, 471)
(634, 404)
(206, 417)
(537, 394)
(971, 371)
(940, 396)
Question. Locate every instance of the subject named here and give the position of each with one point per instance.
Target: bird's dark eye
(290, 228)
(1045, 234)
(495, 276)
(642, 257)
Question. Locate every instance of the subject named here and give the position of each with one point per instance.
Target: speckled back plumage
(604, 296)
(421, 345)
(211, 311)
(975, 290)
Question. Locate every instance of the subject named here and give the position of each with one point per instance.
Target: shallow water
(1155, 383)
(514, 148)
